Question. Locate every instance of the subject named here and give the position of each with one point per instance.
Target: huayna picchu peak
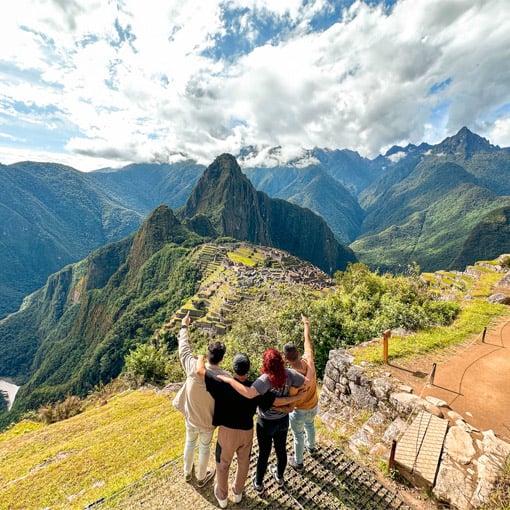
(236, 209)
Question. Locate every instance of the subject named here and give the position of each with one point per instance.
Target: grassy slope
(73, 463)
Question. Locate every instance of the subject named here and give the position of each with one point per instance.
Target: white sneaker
(222, 502)
(236, 497)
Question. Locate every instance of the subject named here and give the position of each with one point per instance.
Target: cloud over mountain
(129, 82)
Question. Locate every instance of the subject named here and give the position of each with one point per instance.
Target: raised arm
(201, 366)
(245, 391)
(308, 348)
(188, 361)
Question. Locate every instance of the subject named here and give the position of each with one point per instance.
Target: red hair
(274, 366)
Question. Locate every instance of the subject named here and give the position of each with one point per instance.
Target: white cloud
(134, 81)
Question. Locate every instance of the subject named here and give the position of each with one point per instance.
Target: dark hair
(290, 352)
(215, 352)
(274, 366)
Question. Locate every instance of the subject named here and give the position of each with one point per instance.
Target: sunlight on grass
(475, 315)
(239, 258)
(75, 462)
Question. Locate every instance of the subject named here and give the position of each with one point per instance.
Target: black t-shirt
(231, 409)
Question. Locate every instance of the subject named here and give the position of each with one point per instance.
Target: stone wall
(372, 411)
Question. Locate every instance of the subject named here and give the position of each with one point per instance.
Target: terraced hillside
(233, 272)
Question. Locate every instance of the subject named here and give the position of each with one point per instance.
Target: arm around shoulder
(245, 391)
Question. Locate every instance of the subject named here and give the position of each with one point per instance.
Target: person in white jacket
(197, 405)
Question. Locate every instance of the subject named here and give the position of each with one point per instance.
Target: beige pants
(232, 442)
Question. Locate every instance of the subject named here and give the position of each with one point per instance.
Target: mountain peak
(465, 143)
(228, 198)
(236, 209)
(160, 227)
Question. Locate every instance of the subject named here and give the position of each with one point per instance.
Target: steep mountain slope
(236, 209)
(348, 167)
(433, 236)
(314, 188)
(488, 238)
(143, 187)
(51, 215)
(76, 330)
(425, 207)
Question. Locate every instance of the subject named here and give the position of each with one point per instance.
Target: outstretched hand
(224, 378)
(304, 319)
(186, 320)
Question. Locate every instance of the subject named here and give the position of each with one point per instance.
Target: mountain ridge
(236, 209)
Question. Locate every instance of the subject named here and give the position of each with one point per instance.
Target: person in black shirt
(233, 414)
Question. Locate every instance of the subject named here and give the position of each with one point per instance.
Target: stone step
(330, 480)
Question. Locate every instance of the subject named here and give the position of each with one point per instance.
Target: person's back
(302, 418)
(233, 413)
(197, 405)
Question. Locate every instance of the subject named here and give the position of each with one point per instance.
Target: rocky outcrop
(471, 460)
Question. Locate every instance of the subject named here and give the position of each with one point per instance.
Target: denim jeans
(301, 421)
(194, 434)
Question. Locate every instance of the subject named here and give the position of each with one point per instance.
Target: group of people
(211, 397)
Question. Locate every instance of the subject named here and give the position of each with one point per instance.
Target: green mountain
(490, 236)
(143, 187)
(236, 209)
(349, 168)
(427, 206)
(51, 215)
(76, 330)
(314, 188)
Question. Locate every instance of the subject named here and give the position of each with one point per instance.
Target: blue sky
(97, 83)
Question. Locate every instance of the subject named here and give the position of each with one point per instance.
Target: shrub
(147, 364)
(59, 411)
(3, 401)
(505, 262)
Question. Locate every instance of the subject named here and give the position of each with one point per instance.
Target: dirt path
(473, 379)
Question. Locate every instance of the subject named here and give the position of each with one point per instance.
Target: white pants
(204, 438)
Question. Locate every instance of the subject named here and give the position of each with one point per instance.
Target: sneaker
(222, 502)
(312, 451)
(274, 471)
(258, 487)
(208, 475)
(187, 477)
(237, 497)
(295, 465)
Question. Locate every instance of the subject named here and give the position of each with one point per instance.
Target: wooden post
(386, 336)
(391, 462)
(433, 374)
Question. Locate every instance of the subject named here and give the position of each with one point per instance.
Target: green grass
(475, 315)
(240, 258)
(75, 462)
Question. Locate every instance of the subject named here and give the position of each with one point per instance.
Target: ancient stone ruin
(374, 412)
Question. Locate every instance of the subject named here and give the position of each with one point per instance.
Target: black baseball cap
(241, 364)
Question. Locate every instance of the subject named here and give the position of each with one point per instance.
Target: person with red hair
(273, 423)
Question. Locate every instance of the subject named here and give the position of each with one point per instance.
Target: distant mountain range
(433, 204)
